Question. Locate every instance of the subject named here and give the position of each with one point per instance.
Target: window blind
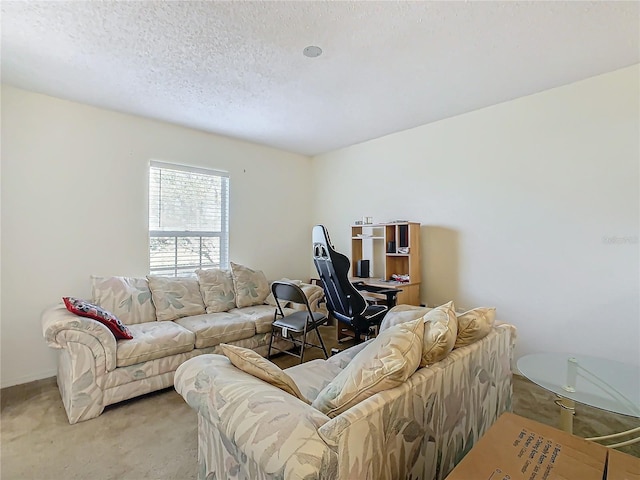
(188, 219)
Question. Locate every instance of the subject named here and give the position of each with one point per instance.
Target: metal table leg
(567, 411)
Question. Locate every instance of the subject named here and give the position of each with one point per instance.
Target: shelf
(396, 236)
(382, 282)
(381, 225)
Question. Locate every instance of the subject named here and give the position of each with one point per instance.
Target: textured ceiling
(237, 69)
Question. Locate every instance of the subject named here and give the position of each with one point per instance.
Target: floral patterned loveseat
(420, 429)
(171, 320)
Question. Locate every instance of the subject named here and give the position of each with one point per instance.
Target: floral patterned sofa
(171, 320)
(418, 429)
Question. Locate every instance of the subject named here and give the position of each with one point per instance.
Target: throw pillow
(384, 363)
(254, 364)
(216, 287)
(89, 310)
(440, 330)
(474, 325)
(401, 314)
(175, 297)
(127, 298)
(251, 286)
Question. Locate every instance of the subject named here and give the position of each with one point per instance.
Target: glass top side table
(597, 382)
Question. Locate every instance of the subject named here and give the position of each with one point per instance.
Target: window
(188, 219)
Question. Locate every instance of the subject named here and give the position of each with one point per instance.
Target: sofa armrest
(314, 294)
(385, 422)
(272, 428)
(315, 297)
(60, 326)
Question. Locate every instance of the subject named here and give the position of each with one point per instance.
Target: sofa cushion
(261, 315)
(440, 330)
(99, 314)
(311, 377)
(175, 297)
(128, 298)
(216, 287)
(153, 340)
(474, 325)
(385, 363)
(401, 314)
(254, 364)
(211, 329)
(251, 286)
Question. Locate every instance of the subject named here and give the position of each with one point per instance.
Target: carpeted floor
(154, 436)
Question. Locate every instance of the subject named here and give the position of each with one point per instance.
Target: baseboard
(28, 378)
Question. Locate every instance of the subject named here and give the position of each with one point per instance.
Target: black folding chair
(299, 323)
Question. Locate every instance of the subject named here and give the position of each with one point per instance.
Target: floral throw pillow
(474, 325)
(175, 297)
(385, 363)
(255, 364)
(128, 298)
(401, 314)
(440, 332)
(89, 310)
(251, 286)
(216, 286)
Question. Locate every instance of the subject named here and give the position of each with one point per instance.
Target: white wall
(531, 205)
(74, 203)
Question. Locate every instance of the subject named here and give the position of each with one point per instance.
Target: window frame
(222, 234)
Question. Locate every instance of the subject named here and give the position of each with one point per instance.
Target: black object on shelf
(391, 247)
(362, 269)
(403, 232)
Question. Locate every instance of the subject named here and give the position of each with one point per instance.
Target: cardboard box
(516, 448)
(621, 466)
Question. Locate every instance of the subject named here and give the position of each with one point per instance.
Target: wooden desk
(405, 292)
(409, 294)
(376, 295)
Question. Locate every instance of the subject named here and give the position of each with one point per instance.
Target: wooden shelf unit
(403, 235)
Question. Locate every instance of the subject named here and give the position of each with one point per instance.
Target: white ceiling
(237, 69)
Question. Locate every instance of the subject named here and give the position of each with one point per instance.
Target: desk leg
(392, 298)
(567, 411)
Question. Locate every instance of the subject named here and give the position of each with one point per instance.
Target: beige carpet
(154, 437)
